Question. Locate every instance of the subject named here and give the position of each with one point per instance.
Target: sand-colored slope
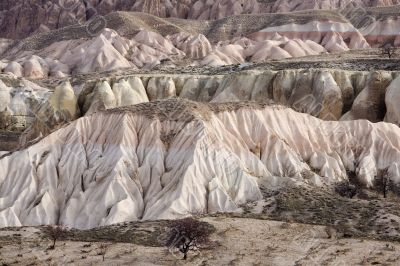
(109, 51)
(144, 41)
(172, 158)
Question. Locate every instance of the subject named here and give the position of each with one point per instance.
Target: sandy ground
(237, 241)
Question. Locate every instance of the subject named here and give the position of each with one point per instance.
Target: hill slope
(169, 159)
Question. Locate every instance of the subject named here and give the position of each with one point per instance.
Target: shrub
(188, 235)
(345, 189)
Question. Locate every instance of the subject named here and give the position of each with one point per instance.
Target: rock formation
(326, 94)
(168, 159)
(146, 50)
(110, 115)
(391, 101)
(20, 102)
(22, 17)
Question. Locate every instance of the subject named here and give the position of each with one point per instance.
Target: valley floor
(237, 241)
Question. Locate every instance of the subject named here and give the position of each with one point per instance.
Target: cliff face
(328, 94)
(168, 159)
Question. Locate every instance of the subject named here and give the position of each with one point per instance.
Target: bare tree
(386, 184)
(188, 235)
(382, 182)
(103, 248)
(55, 232)
(388, 50)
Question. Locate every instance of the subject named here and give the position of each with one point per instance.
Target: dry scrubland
(237, 241)
(292, 227)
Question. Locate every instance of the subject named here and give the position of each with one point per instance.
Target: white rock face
(124, 92)
(330, 34)
(129, 92)
(194, 47)
(102, 98)
(370, 102)
(35, 68)
(160, 88)
(382, 30)
(216, 9)
(325, 93)
(295, 5)
(275, 46)
(111, 52)
(21, 102)
(168, 159)
(392, 100)
(61, 13)
(198, 9)
(106, 52)
(225, 55)
(63, 99)
(287, 41)
(59, 108)
(315, 93)
(98, 54)
(14, 68)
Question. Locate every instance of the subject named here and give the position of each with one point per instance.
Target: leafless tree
(55, 232)
(386, 184)
(103, 248)
(188, 235)
(382, 182)
(388, 50)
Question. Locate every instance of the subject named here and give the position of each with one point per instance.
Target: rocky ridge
(21, 18)
(329, 94)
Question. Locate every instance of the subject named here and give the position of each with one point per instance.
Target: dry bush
(346, 189)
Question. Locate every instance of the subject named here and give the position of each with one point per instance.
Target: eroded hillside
(118, 117)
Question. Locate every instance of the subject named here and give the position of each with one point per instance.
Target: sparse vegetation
(351, 217)
(136, 233)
